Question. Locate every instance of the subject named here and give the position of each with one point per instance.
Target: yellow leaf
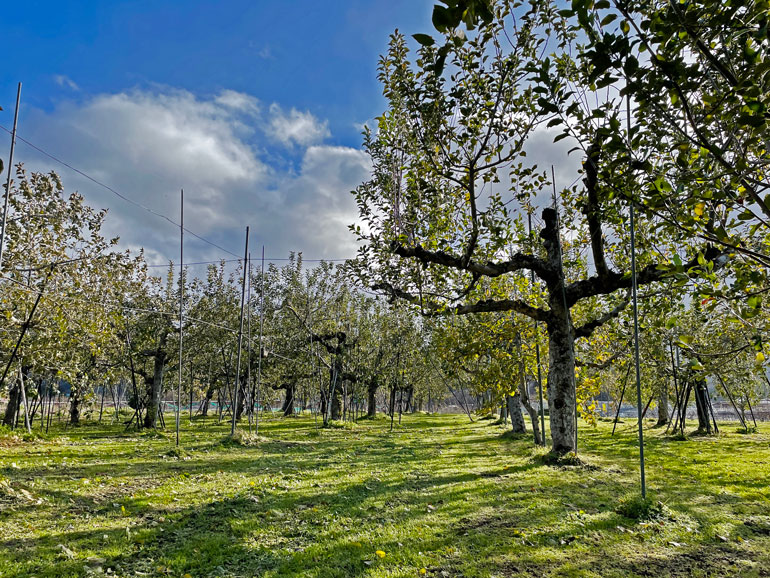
(380, 553)
(760, 357)
(423, 571)
(698, 210)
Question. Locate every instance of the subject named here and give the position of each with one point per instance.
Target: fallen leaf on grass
(66, 551)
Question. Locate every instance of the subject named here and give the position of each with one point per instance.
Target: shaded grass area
(438, 493)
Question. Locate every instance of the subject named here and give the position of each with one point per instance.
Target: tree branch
(517, 262)
(591, 210)
(484, 306)
(650, 274)
(587, 329)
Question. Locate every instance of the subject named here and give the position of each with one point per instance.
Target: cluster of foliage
(87, 321)
(667, 103)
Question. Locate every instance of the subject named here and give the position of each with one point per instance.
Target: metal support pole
(537, 351)
(261, 326)
(237, 383)
(248, 351)
(181, 313)
(10, 172)
(636, 353)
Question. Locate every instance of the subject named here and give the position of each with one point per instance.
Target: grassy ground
(438, 494)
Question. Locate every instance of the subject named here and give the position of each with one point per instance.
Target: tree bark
(517, 418)
(75, 405)
(335, 385)
(371, 408)
(155, 385)
(663, 414)
(207, 400)
(702, 406)
(14, 402)
(533, 415)
(561, 388)
(408, 405)
(241, 397)
(561, 344)
(324, 405)
(288, 403)
(336, 412)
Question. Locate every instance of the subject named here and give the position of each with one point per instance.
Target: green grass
(437, 493)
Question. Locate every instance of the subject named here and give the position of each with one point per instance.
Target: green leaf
(424, 39)
(442, 19)
(608, 19)
(625, 27)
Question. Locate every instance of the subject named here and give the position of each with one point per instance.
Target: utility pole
(237, 383)
(10, 172)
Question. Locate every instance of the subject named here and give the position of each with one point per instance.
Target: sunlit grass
(437, 493)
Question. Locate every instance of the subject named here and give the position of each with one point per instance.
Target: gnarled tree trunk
(561, 376)
(207, 400)
(532, 412)
(702, 406)
(75, 405)
(514, 410)
(288, 402)
(12, 409)
(155, 384)
(663, 414)
(371, 407)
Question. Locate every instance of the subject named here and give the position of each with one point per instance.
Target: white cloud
(65, 81)
(148, 145)
(265, 53)
(239, 101)
(295, 127)
(331, 173)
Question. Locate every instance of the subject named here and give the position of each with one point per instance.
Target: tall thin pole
(636, 353)
(181, 312)
(636, 317)
(261, 326)
(10, 172)
(248, 350)
(236, 385)
(537, 348)
(192, 382)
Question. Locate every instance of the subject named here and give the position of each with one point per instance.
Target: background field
(439, 494)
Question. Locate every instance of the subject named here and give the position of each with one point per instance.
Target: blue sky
(254, 107)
